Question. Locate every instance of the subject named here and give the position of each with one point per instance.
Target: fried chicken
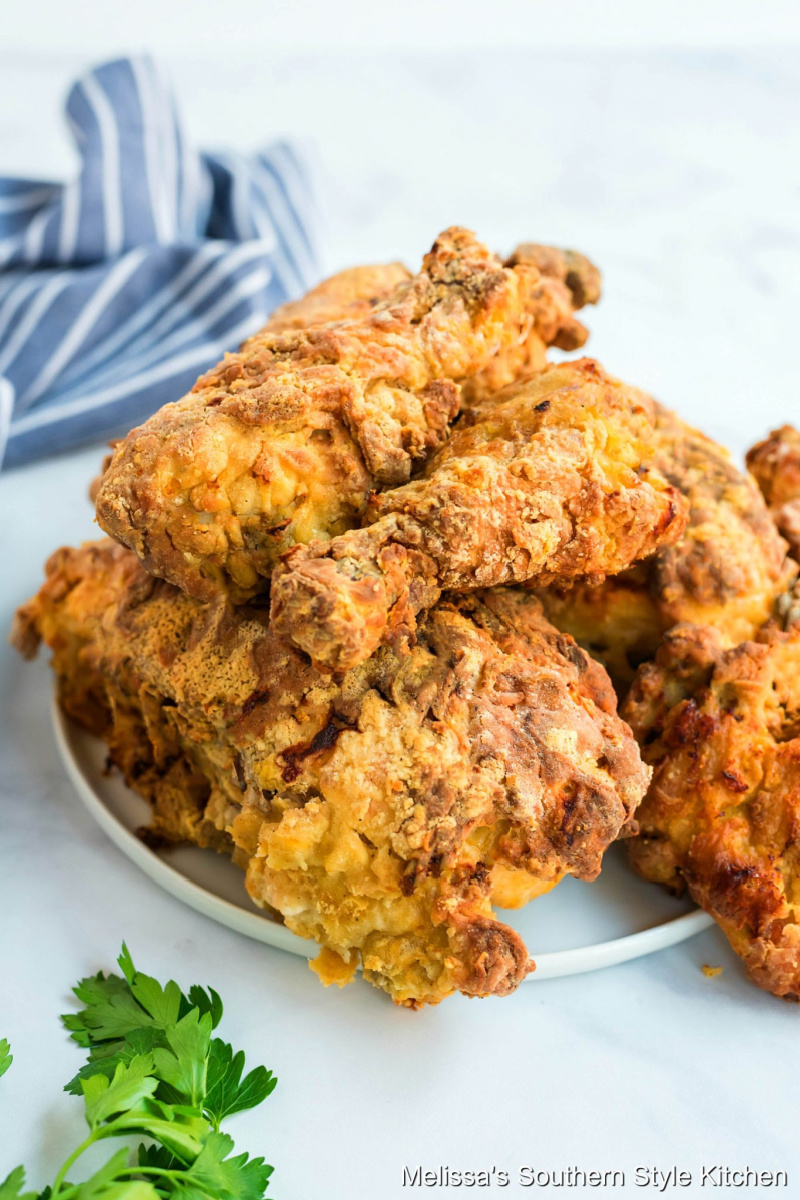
(284, 441)
(352, 293)
(721, 727)
(568, 281)
(775, 463)
(380, 815)
(547, 481)
(727, 570)
(565, 281)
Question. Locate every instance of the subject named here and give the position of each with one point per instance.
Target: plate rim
(553, 964)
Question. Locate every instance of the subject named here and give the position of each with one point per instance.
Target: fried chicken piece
(720, 727)
(380, 815)
(352, 293)
(567, 281)
(775, 464)
(546, 482)
(564, 282)
(727, 570)
(83, 587)
(283, 442)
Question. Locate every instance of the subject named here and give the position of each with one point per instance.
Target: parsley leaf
(130, 1084)
(183, 1066)
(163, 1004)
(6, 1057)
(157, 1156)
(12, 1185)
(205, 1001)
(213, 1173)
(226, 1094)
(103, 1059)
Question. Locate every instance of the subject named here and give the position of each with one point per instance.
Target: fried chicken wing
(283, 442)
(727, 570)
(380, 815)
(775, 464)
(720, 727)
(547, 481)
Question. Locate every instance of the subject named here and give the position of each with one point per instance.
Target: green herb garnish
(155, 1071)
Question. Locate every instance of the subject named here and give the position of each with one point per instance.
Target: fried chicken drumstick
(547, 481)
(381, 815)
(727, 570)
(284, 441)
(721, 727)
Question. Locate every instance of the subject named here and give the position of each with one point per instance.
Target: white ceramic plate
(575, 928)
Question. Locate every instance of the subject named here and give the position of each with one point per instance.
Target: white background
(185, 27)
(664, 140)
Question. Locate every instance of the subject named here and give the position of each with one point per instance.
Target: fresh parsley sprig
(155, 1071)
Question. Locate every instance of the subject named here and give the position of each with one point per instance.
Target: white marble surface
(680, 174)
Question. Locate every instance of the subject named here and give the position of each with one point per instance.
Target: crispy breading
(564, 282)
(381, 814)
(721, 727)
(775, 464)
(283, 442)
(547, 481)
(726, 571)
(567, 281)
(351, 293)
(81, 587)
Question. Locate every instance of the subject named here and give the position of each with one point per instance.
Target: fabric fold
(119, 287)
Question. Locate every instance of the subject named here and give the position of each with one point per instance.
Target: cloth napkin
(118, 288)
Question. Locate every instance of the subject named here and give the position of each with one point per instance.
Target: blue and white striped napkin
(118, 288)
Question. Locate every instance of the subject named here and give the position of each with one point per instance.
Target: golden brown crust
(375, 813)
(352, 293)
(284, 441)
(564, 281)
(727, 570)
(81, 586)
(546, 482)
(775, 464)
(722, 816)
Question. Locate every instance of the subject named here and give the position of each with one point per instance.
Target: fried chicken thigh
(721, 728)
(775, 464)
(727, 570)
(547, 481)
(283, 442)
(381, 814)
